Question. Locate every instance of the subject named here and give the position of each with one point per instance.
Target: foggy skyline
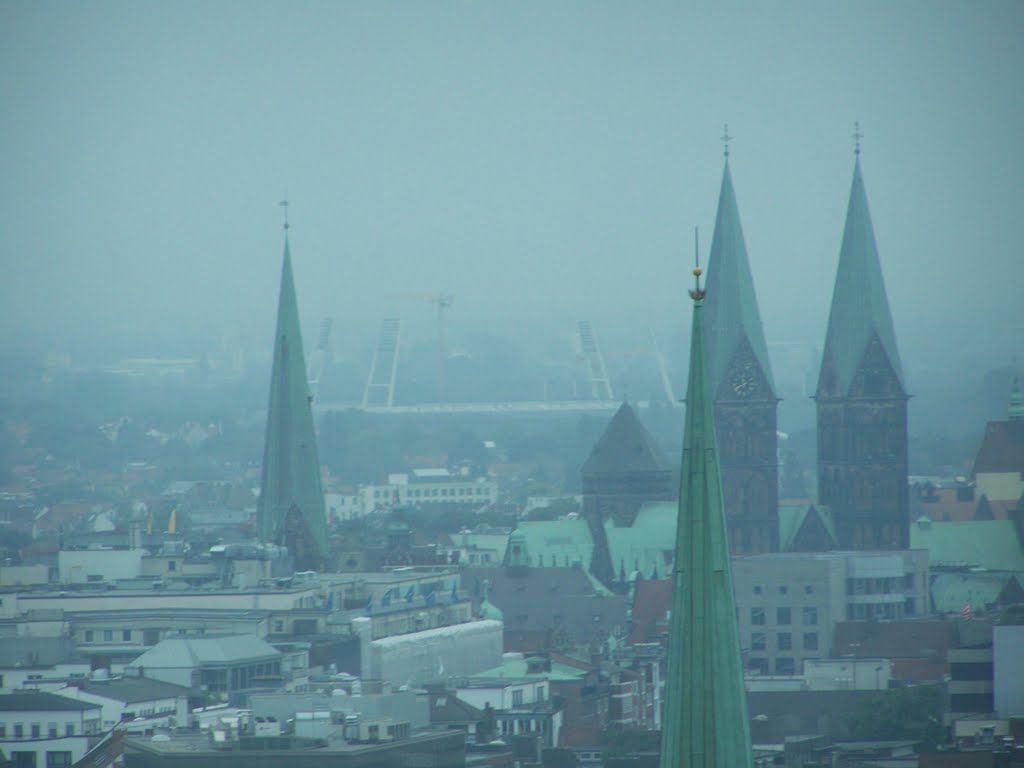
(543, 162)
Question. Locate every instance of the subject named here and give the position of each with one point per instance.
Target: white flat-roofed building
(44, 729)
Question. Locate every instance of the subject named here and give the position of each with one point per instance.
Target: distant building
(290, 509)
(44, 729)
(741, 385)
(999, 466)
(861, 398)
(625, 470)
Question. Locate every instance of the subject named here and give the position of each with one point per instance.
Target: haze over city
(543, 162)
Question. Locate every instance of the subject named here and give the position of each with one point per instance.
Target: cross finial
(857, 136)
(697, 293)
(284, 204)
(726, 138)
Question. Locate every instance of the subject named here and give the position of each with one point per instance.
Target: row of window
(108, 635)
(889, 611)
(417, 493)
(883, 586)
(784, 616)
(35, 731)
(53, 759)
(784, 589)
(783, 641)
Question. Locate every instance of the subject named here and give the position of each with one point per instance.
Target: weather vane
(696, 294)
(284, 204)
(857, 136)
(726, 138)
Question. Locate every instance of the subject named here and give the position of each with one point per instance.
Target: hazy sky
(543, 161)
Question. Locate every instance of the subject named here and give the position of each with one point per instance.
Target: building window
(172, 565)
(58, 760)
(88, 635)
(809, 589)
(23, 759)
(758, 641)
(910, 606)
(783, 616)
(810, 616)
(757, 589)
(783, 590)
(19, 731)
(784, 641)
(36, 730)
(108, 635)
(757, 665)
(126, 635)
(51, 730)
(785, 665)
(3, 731)
(69, 729)
(757, 616)
(810, 641)
(517, 698)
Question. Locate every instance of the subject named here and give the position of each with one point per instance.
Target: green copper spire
(705, 723)
(732, 313)
(290, 510)
(860, 308)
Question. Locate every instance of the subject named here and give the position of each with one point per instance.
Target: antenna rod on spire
(696, 294)
(284, 204)
(726, 138)
(857, 136)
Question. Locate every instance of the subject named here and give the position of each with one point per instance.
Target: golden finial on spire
(726, 138)
(857, 136)
(697, 293)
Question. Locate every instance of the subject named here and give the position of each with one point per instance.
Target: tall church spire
(733, 319)
(290, 510)
(740, 375)
(860, 307)
(705, 723)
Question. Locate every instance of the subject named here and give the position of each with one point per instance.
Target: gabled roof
(134, 689)
(731, 304)
(192, 652)
(860, 307)
(652, 601)
(291, 469)
(793, 518)
(991, 544)
(557, 542)
(625, 446)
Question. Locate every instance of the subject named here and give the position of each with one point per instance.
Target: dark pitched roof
(446, 707)
(133, 689)
(895, 639)
(625, 446)
(42, 702)
(1002, 449)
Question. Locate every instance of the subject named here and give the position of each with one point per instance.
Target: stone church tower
(861, 398)
(742, 387)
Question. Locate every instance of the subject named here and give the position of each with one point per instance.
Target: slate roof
(134, 689)
(895, 639)
(860, 306)
(447, 708)
(557, 542)
(191, 652)
(291, 469)
(42, 702)
(625, 446)
(566, 601)
(731, 304)
(992, 544)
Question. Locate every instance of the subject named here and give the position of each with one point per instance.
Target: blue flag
(410, 593)
(455, 591)
(386, 600)
(369, 604)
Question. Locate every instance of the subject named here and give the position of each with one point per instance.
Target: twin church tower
(861, 398)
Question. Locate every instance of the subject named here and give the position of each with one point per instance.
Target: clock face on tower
(745, 381)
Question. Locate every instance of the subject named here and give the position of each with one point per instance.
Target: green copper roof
(731, 302)
(643, 545)
(291, 469)
(554, 543)
(705, 722)
(991, 544)
(859, 303)
(792, 517)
